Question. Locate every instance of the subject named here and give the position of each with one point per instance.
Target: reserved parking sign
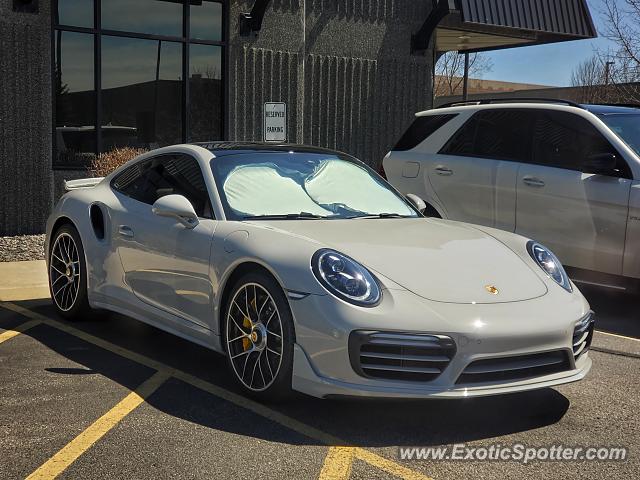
(275, 122)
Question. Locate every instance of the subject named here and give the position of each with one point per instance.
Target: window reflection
(78, 13)
(205, 20)
(159, 17)
(74, 99)
(141, 92)
(205, 89)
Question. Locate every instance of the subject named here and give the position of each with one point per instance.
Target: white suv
(567, 175)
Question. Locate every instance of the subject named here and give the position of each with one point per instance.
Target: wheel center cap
(258, 336)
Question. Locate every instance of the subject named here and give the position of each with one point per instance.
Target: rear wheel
(68, 274)
(259, 336)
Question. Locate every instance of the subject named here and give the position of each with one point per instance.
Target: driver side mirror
(178, 207)
(600, 163)
(416, 201)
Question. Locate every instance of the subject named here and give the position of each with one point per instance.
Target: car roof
(220, 149)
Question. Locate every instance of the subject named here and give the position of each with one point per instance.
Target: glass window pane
(148, 181)
(141, 93)
(205, 90)
(420, 129)
(74, 99)
(504, 134)
(462, 142)
(78, 13)
(494, 134)
(565, 140)
(320, 184)
(626, 126)
(159, 17)
(205, 20)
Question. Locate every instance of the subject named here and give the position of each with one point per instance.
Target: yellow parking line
(83, 442)
(8, 334)
(239, 400)
(388, 466)
(337, 464)
(123, 352)
(618, 336)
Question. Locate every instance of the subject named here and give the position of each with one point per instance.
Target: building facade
(82, 77)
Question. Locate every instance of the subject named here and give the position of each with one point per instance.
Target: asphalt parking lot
(114, 398)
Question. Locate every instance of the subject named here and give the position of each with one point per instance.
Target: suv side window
(154, 178)
(565, 140)
(502, 134)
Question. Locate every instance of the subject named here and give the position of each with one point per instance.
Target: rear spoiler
(81, 183)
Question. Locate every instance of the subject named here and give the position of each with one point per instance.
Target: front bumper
(306, 380)
(322, 363)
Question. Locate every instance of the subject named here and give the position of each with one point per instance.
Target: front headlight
(345, 278)
(550, 264)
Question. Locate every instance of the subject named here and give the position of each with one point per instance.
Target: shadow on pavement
(616, 312)
(365, 423)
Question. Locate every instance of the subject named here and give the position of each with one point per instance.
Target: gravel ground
(21, 248)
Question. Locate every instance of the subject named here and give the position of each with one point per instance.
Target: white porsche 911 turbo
(310, 272)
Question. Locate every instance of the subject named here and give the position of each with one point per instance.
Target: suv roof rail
(487, 101)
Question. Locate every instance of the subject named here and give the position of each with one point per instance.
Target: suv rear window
(420, 129)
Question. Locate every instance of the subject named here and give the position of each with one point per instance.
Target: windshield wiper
(285, 216)
(383, 215)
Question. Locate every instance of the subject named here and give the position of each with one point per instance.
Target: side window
(566, 140)
(420, 129)
(166, 175)
(462, 141)
(497, 133)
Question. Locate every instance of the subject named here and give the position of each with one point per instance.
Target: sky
(550, 64)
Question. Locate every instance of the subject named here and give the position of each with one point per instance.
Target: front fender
(286, 256)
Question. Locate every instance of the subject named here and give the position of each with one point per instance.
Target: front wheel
(68, 274)
(259, 337)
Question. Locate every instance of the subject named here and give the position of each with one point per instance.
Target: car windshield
(291, 185)
(627, 127)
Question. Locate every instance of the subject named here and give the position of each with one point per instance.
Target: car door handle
(533, 182)
(444, 171)
(125, 231)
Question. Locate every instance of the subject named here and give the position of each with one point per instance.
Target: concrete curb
(23, 281)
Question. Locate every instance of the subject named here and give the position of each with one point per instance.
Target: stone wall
(25, 119)
(343, 67)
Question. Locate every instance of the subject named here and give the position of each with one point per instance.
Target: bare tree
(449, 72)
(622, 27)
(589, 73)
(591, 76)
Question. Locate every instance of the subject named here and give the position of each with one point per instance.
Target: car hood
(435, 259)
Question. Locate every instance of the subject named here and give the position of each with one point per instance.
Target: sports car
(309, 272)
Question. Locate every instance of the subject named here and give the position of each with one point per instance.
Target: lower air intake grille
(520, 367)
(582, 335)
(400, 356)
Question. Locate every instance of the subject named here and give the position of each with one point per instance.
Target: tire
(68, 274)
(253, 341)
(633, 287)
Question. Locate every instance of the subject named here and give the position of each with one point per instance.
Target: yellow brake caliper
(246, 323)
(246, 343)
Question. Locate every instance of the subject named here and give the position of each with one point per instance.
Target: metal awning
(478, 25)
